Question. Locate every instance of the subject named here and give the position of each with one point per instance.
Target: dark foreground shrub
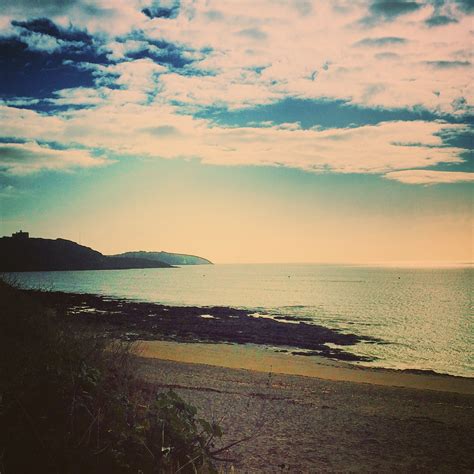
(69, 402)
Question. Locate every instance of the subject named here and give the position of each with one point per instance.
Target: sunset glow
(293, 131)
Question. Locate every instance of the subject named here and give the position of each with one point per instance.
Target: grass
(70, 403)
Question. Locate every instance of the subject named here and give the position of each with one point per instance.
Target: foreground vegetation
(69, 402)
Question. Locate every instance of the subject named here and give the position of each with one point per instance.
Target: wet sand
(323, 424)
(263, 359)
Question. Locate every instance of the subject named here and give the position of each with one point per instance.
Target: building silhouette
(20, 235)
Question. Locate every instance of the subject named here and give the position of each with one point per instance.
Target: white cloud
(308, 49)
(80, 96)
(128, 128)
(223, 90)
(430, 176)
(140, 74)
(27, 158)
(44, 43)
(256, 53)
(313, 56)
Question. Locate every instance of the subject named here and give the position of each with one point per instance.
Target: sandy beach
(267, 360)
(296, 413)
(326, 424)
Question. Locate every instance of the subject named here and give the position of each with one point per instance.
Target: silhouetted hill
(167, 257)
(34, 254)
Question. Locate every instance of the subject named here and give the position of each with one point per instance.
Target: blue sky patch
(317, 113)
(37, 74)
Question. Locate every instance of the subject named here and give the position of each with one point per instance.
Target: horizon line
(396, 263)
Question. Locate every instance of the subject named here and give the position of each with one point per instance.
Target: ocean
(423, 315)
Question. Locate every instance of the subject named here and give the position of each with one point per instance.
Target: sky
(241, 131)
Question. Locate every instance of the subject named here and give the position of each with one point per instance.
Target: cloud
(383, 11)
(446, 12)
(125, 129)
(430, 177)
(382, 41)
(466, 6)
(460, 103)
(39, 57)
(304, 7)
(139, 76)
(33, 7)
(163, 52)
(162, 131)
(80, 96)
(448, 64)
(46, 27)
(391, 9)
(43, 35)
(440, 20)
(235, 92)
(368, 149)
(316, 62)
(162, 9)
(387, 55)
(115, 17)
(253, 33)
(28, 158)
(221, 45)
(218, 80)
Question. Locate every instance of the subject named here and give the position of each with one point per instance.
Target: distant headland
(20, 253)
(167, 257)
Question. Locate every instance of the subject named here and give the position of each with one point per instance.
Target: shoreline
(136, 320)
(266, 360)
(130, 320)
(333, 417)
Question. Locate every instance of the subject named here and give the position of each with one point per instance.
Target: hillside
(167, 257)
(21, 253)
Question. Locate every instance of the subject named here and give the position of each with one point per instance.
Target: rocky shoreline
(131, 320)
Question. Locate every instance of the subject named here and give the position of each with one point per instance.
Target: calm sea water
(424, 314)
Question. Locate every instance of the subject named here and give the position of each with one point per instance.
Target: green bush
(70, 403)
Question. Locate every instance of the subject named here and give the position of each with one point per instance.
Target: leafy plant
(70, 402)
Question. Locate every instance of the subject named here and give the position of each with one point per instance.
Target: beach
(304, 424)
(286, 402)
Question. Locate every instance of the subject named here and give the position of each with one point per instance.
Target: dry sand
(337, 418)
